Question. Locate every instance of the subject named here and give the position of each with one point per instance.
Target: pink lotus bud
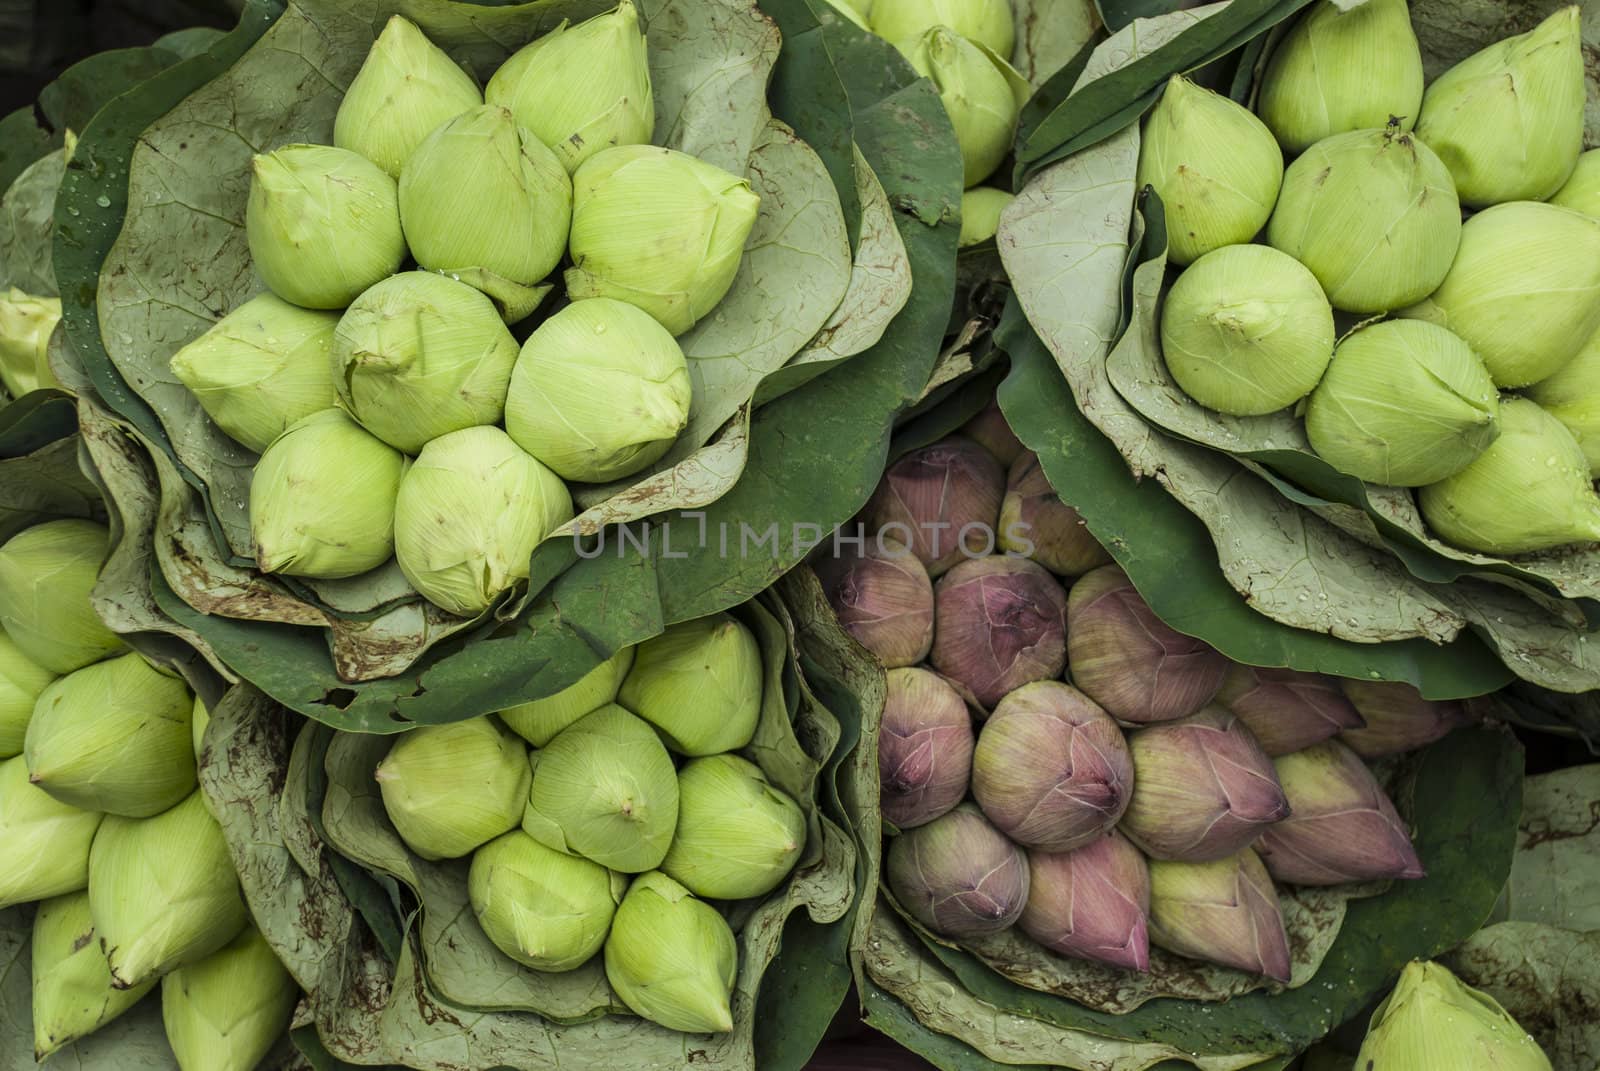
(990, 430)
(1093, 903)
(924, 748)
(1036, 524)
(999, 623)
(1285, 709)
(1398, 718)
(958, 875)
(884, 600)
(1224, 912)
(942, 500)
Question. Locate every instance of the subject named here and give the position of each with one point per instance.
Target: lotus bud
(1519, 264)
(980, 214)
(980, 94)
(988, 22)
(1449, 415)
(999, 624)
(406, 89)
(539, 720)
(21, 681)
(1582, 191)
(924, 748)
(449, 788)
(545, 909)
(884, 599)
(1035, 523)
(1397, 718)
(163, 891)
(1572, 396)
(227, 1011)
(853, 10)
(1051, 769)
(323, 224)
(699, 683)
(1224, 912)
(73, 995)
(1508, 120)
(322, 499)
(738, 837)
(1286, 710)
(1215, 167)
(1529, 491)
(26, 324)
(1092, 902)
(990, 430)
(582, 88)
(1432, 1021)
(45, 842)
(605, 789)
(671, 958)
(1202, 788)
(114, 737)
(942, 501)
(1246, 330)
(1131, 662)
(599, 391)
(658, 229)
(198, 727)
(958, 875)
(46, 574)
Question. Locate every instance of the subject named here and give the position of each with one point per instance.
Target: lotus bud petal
(884, 599)
(323, 224)
(115, 737)
(924, 748)
(1397, 718)
(699, 684)
(1246, 330)
(26, 324)
(581, 88)
(1582, 190)
(1092, 902)
(227, 1011)
(1000, 623)
(545, 909)
(1051, 769)
(1432, 1021)
(1223, 912)
(1035, 523)
(1572, 396)
(539, 720)
(21, 681)
(46, 574)
(1215, 167)
(1202, 788)
(1131, 662)
(671, 958)
(406, 89)
(605, 789)
(990, 430)
(162, 891)
(977, 95)
(988, 22)
(450, 788)
(45, 842)
(958, 875)
(1286, 710)
(1518, 264)
(322, 499)
(599, 391)
(1508, 120)
(942, 501)
(980, 214)
(73, 995)
(738, 837)
(658, 229)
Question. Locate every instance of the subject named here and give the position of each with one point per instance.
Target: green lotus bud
(198, 727)
(545, 909)
(980, 98)
(1508, 120)
(469, 512)
(26, 324)
(1224, 912)
(1342, 68)
(605, 789)
(1529, 491)
(1092, 903)
(884, 599)
(227, 1011)
(260, 368)
(73, 994)
(322, 499)
(406, 88)
(958, 875)
(738, 837)
(1572, 396)
(699, 683)
(1215, 166)
(924, 747)
(46, 574)
(1403, 403)
(988, 22)
(323, 224)
(853, 10)
(115, 737)
(449, 788)
(1246, 330)
(1582, 191)
(163, 891)
(999, 624)
(1397, 718)
(599, 391)
(539, 720)
(581, 88)
(420, 355)
(658, 229)
(45, 842)
(21, 681)
(1287, 710)
(942, 501)
(1036, 524)
(980, 214)
(671, 958)
(1433, 1022)
(990, 430)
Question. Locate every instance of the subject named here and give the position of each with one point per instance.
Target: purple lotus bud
(990, 430)
(999, 623)
(1093, 903)
(1285, 709)
(1202, 788)
(1398, 718)
(1224, 912)
(1051, 769)
(924, 748)
(1035, 523)
(1131, 662)
(884, 599)
(942, 500)
(958, 875)
(1341, 827)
